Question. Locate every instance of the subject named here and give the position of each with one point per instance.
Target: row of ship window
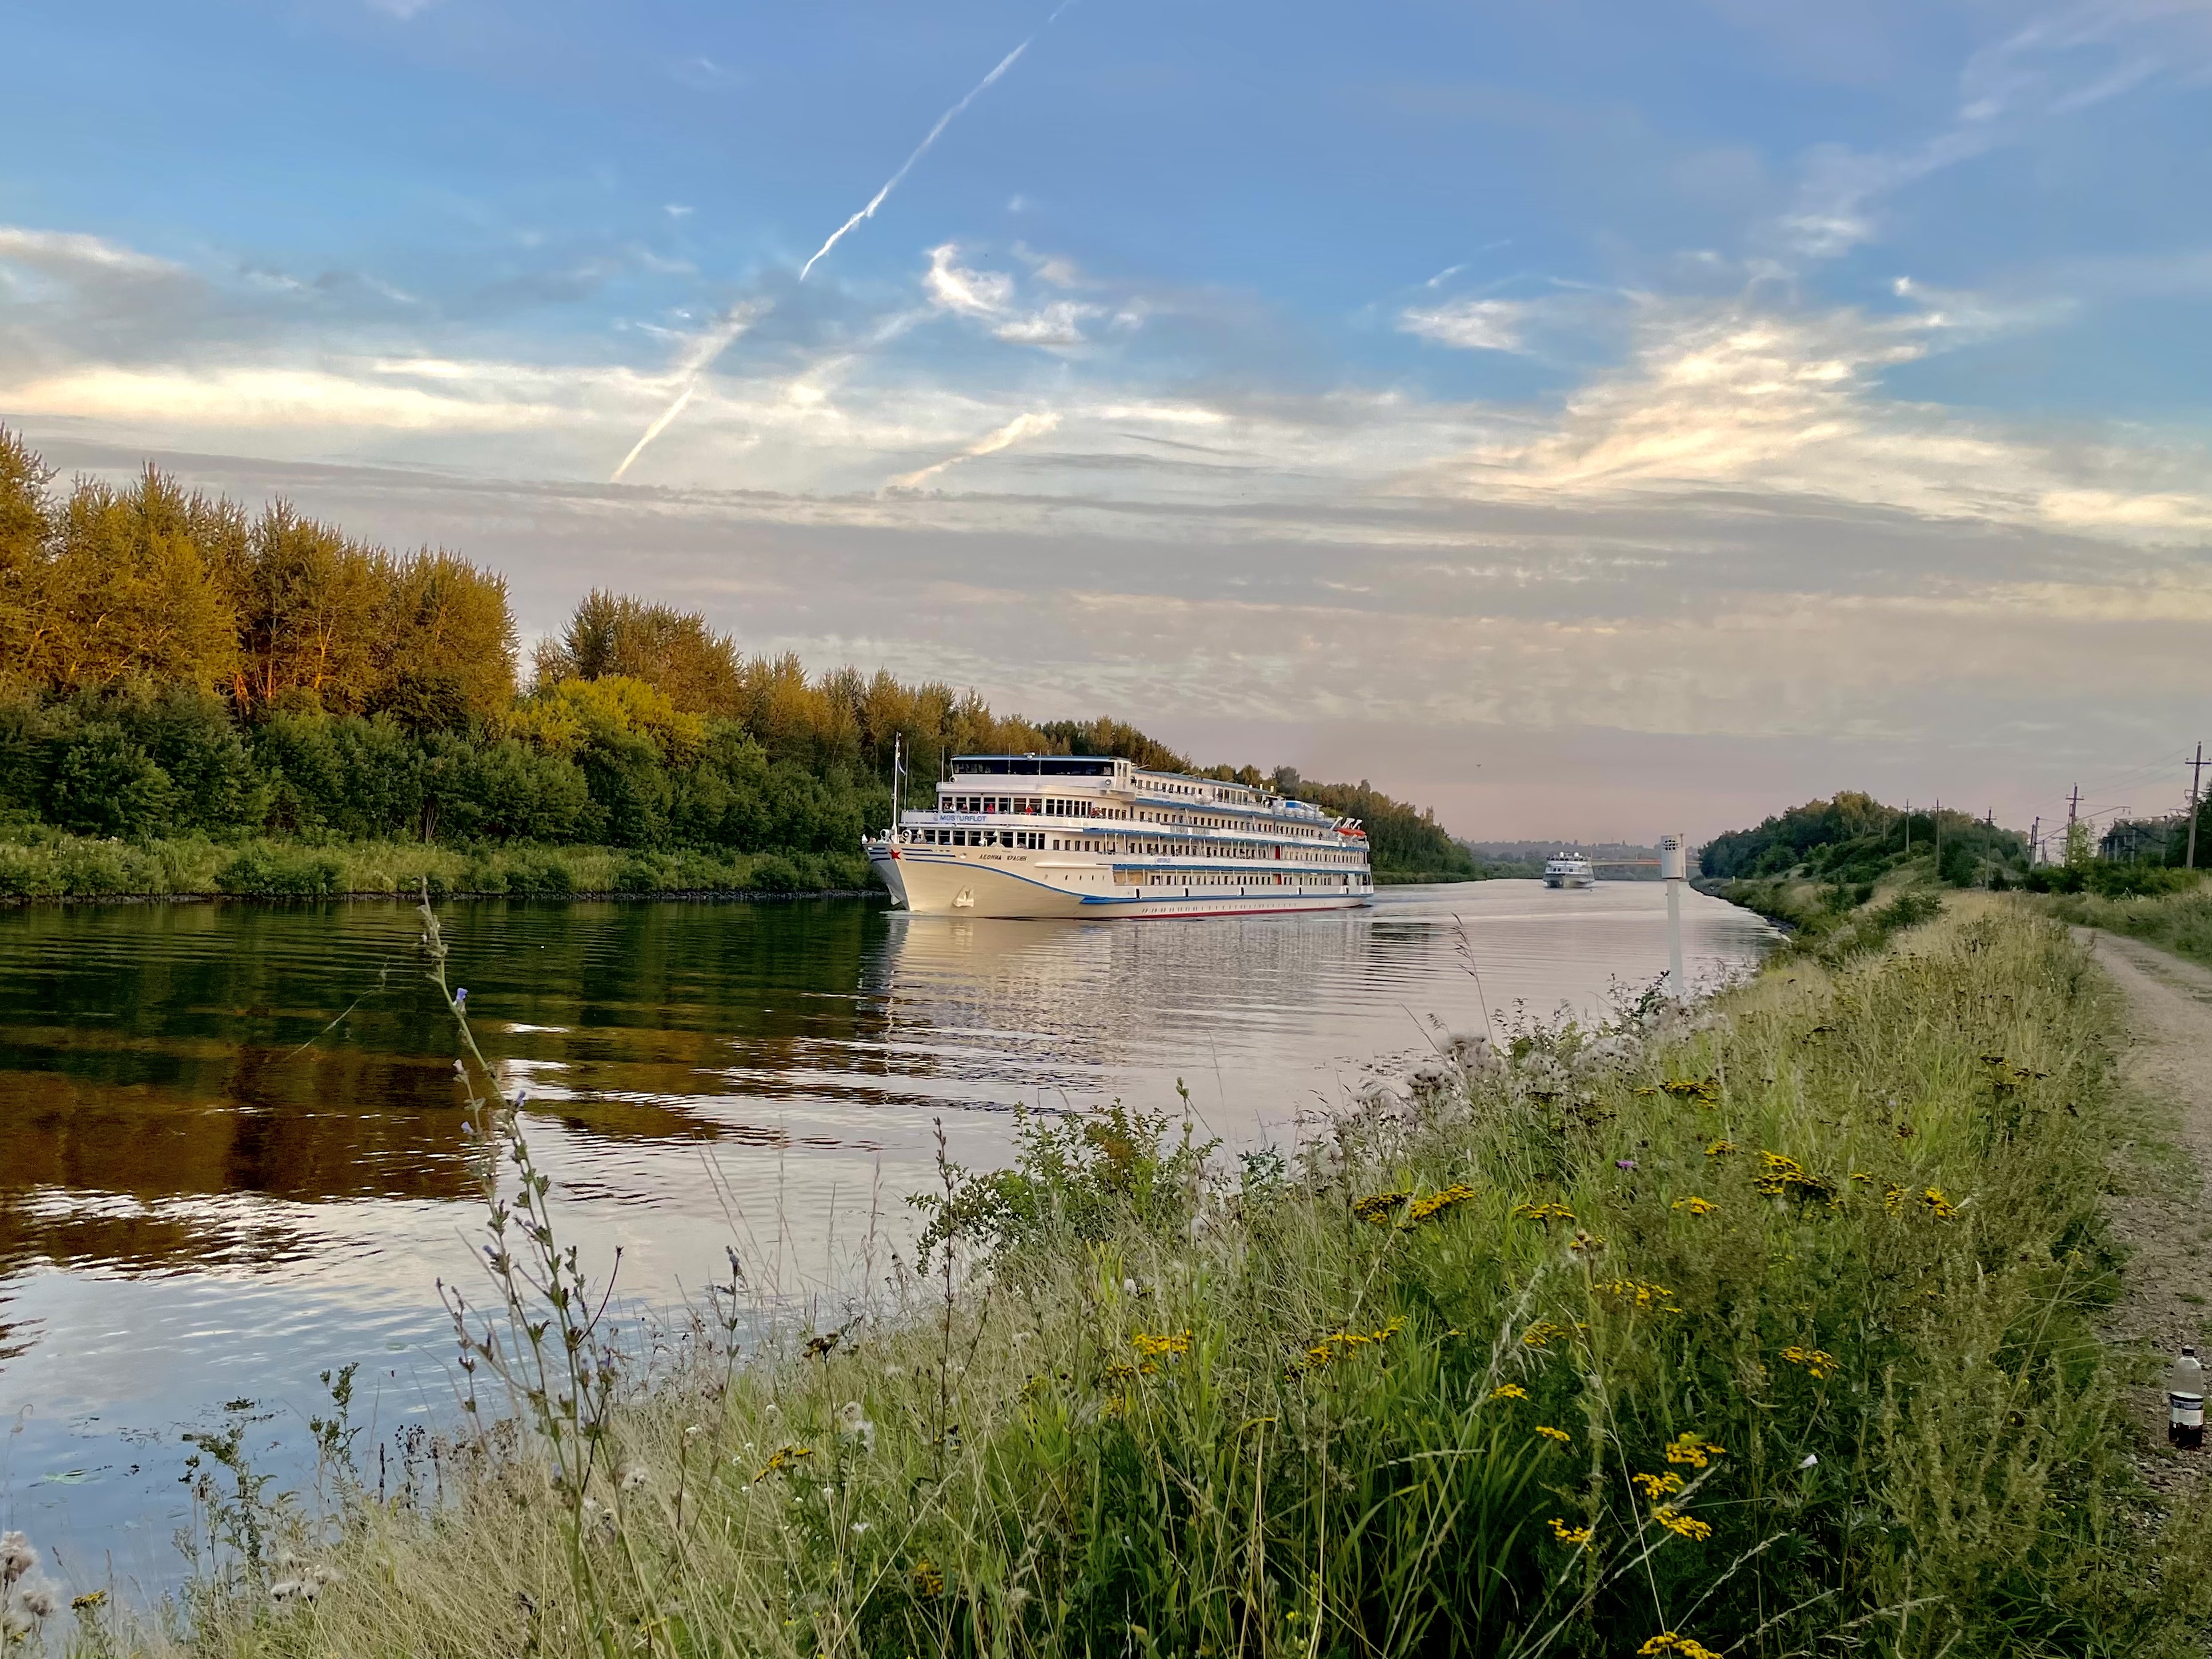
(1052, 807)
(1036, 840)
(1029, 805)
(1143, 877)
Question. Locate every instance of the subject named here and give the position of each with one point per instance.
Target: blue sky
(1584, 416)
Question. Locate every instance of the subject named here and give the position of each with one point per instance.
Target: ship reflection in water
(230, 1150)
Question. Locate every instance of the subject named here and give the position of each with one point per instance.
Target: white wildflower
(1808, 1461)
(16, 1557)
(852, 1423)
(860, 1526)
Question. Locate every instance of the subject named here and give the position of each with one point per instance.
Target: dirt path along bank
(2167, 1227)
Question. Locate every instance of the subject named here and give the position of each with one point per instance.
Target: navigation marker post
(1674, 869)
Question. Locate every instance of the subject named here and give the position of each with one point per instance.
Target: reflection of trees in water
(157, 1054)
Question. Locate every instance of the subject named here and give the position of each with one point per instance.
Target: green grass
(1789, 1302)
(2180, 922)
(42, 864)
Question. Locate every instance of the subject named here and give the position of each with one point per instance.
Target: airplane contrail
(1021, 427)
(717, 339)
(919, 150)
(693, 363)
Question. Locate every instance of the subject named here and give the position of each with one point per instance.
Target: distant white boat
(1569, 870)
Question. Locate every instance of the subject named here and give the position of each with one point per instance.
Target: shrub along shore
(1756, 1328)
(47, 865)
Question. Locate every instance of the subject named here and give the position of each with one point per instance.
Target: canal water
(230, 1148)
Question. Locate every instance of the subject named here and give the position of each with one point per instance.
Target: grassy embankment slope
(1748, 1331)
(1815, 867)
(198, 699)
(2180, 922)
(1841, 865)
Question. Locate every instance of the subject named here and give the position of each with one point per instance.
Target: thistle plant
(543, 1341)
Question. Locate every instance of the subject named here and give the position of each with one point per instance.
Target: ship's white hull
(1014, 885)
(1570, 881)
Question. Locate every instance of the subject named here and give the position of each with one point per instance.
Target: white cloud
(971, 292)
(989, 296)
(60, 250)
(1470, 324)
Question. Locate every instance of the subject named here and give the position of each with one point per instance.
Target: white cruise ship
(1569, 870)
(1027, 835)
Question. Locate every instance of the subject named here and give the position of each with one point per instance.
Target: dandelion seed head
(633, 1476)
(16, 1556)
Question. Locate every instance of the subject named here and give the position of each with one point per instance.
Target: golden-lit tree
(127, 592)
(674, 650)
(26, 515)
(306, 597)
(445, 641)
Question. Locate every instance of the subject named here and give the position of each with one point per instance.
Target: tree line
(1854, 839)
(172, 664)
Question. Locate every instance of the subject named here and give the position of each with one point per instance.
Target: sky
(1589, 418)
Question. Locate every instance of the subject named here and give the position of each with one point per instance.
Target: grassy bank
(2180, 922)
(1766, 1329)
(46, 864)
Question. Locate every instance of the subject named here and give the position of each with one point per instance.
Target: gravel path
(2167, 1227)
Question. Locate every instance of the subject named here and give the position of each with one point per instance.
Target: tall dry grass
(1765, 1328)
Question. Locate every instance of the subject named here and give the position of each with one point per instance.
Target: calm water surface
(230, 1152)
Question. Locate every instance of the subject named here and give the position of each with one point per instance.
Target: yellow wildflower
(782, 1458)
(1817, 1362)
(1337, 1344)
(1696, 1205)
(1940, 1207)
(1643, 1295)
(1551, 1433)
(1156, 1347)
(1681, 1525)
(1656, 1486)
(1545, 1213)
(1720, 1148)
(1576, 1536)
(1437, 1203)
(1542, 1333)
(1669, 1642)
(1686, 1448)
(927, 1581)
(1508, 1391)
(1376, 1207)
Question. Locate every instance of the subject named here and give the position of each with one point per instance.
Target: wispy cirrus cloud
(1469, 325)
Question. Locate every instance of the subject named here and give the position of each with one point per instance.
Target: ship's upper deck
(1116, 790)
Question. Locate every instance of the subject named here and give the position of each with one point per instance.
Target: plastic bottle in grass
(2184, 1396)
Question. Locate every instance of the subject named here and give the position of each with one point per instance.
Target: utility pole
(1939, 838)
(1908, 826)
(2073, 811)
(2196, 768)
(2035, 842)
